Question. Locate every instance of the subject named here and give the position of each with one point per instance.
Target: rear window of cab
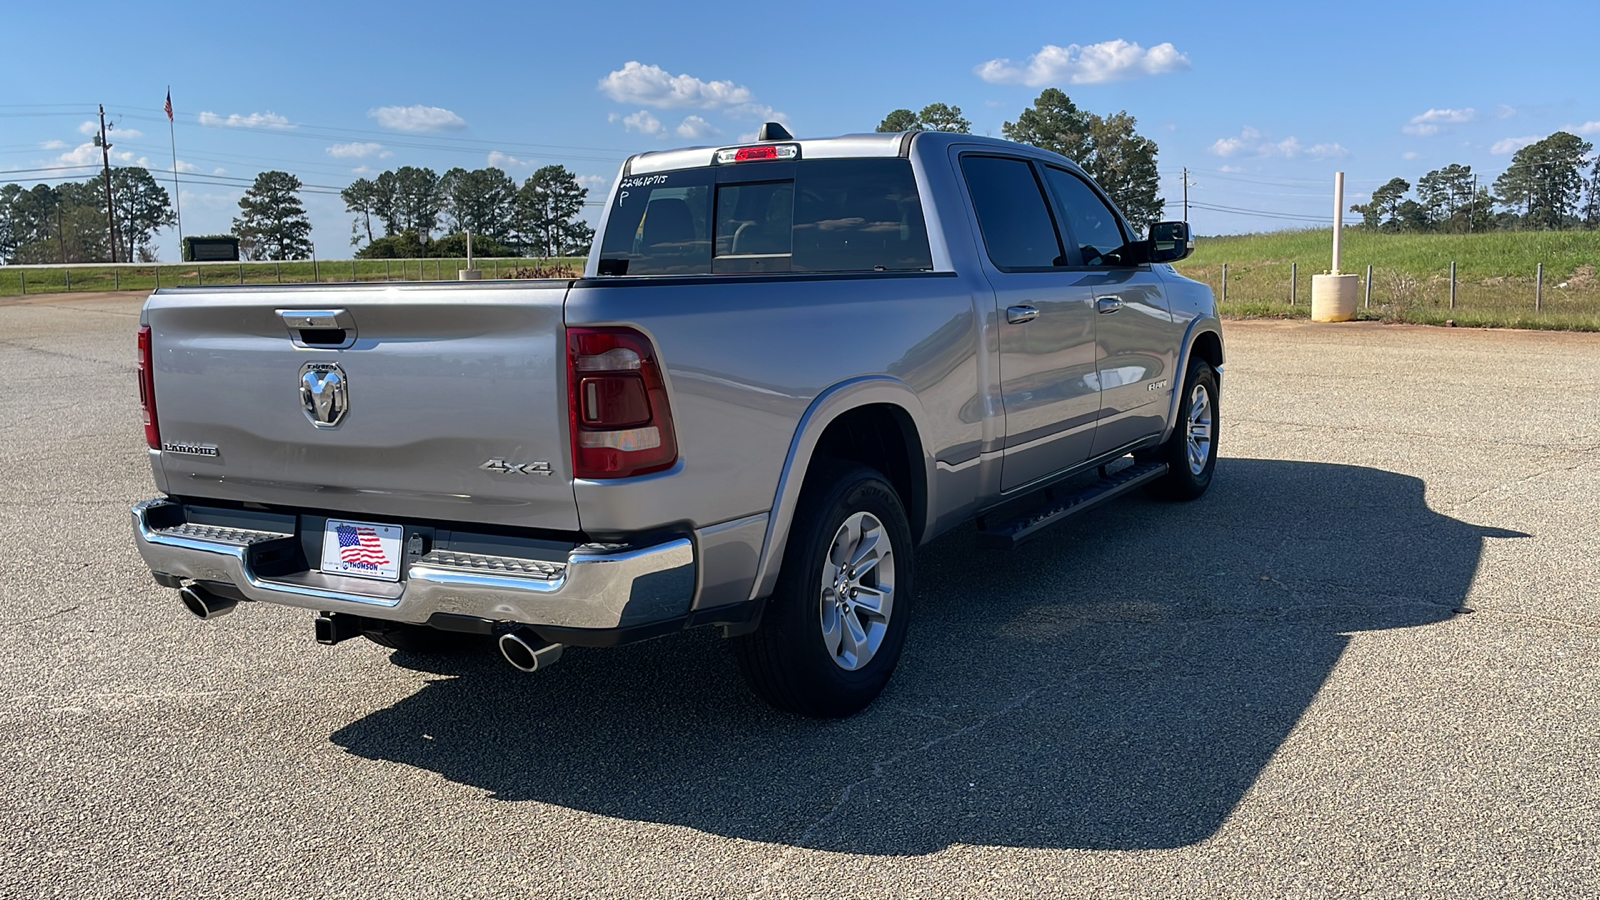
(823, 215)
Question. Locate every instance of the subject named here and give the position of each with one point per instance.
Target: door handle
(1019, 315)
(1108, 304)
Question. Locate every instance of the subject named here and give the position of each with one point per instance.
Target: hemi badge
(188, 449)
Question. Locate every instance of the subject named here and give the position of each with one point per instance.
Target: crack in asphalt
(1585, 459)
(1310, 426)
(43, 618)
(878, 768)
(13, 345)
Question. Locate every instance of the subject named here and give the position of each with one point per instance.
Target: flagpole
(177, 198)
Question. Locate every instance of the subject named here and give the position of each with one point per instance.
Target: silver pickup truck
(786, 366)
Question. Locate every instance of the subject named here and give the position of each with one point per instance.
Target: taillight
(147, 389)
(620, 421)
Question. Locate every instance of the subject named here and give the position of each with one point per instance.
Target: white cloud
(1226, 147)
(1233, 170)
(92, 127)
(1410, 154)
(1251, 142)
(1585, 128)
(358, 150)
(53, 145)
(506, 161)
(594, 182)
(636, 83)
(1504, 112)
(642, 122)
(81, 155)
(1107, 61)
(267, 119)
(417, 118)
(1512, 144)
(1428, 123)
(219, 171)
(695, 127)
(363, 171)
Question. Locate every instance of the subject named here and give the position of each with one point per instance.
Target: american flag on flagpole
(169, 104)
(359, 546)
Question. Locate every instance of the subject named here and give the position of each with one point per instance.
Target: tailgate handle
(322, 329)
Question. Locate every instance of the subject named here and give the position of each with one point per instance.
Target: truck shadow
(1118, 683)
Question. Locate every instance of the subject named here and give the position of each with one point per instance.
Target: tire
(1191, 452)
(806, 657)
(417, 638)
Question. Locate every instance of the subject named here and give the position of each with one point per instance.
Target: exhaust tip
(204, 604)
(526, 652)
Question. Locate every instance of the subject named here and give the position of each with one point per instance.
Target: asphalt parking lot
(1366, 664)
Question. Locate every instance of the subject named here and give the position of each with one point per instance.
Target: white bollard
(1333, 297)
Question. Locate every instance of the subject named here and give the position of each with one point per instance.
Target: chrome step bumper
(596, 587)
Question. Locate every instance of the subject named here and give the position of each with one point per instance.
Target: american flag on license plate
(359, 546)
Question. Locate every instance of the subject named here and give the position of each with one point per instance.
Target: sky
(1261, 102)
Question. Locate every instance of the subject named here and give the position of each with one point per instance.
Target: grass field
(1495, 275)
(144, 278)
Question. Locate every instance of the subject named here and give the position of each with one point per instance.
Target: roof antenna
(772, 131)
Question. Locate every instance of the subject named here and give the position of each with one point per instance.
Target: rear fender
(827, 407)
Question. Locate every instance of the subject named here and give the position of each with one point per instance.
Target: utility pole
(1185, 194)
(105, 157)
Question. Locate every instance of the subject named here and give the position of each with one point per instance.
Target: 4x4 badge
(510, 468)
(324, 392)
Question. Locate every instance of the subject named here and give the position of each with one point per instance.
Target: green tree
(1544, 182)
(11, 224)
(1124, 165)
(934, 117)
(1382, 210)
(77, 234)
(143, 208)
(1591, 208)
(272, 222)
(549, 210)
(1109, 148)
(898, 121)
(939, 117)
(1054, 123)
(362, 198)
(408, 199)
(1445, 195)
(483, 201)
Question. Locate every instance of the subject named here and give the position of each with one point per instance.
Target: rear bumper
(599, 588)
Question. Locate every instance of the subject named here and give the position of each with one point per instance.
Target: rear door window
(1013, 214)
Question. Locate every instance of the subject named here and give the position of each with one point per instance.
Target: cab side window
(1013, 213)
(1093, 227)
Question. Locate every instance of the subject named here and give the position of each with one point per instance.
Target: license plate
(362, 549)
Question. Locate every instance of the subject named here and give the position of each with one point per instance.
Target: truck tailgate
(439, 381)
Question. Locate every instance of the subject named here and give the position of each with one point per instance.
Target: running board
(1008, 534)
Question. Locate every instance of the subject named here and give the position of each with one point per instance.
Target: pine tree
(272, 222)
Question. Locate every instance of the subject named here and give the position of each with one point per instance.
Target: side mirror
(1169, 242)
